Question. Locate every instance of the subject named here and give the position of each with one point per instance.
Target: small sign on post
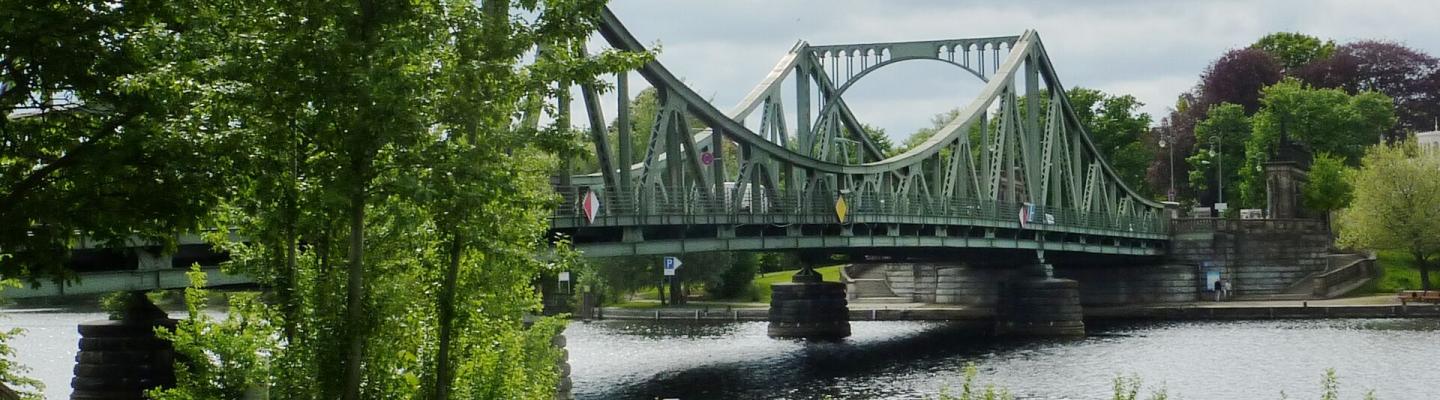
(671, 264)
(591, 206)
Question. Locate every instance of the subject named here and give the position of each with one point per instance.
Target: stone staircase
(1338, 281)
(867, 283)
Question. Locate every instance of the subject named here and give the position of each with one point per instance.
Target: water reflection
(912, 360)
(907, 360)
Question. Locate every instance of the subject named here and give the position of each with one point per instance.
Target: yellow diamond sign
(841, 208)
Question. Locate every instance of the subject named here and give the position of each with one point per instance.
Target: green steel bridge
(1015, 169)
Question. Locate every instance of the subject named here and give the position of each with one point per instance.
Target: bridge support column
(122, 359)
(809, 308)
(1037, 304)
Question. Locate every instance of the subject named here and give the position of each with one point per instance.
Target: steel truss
(1017, 145)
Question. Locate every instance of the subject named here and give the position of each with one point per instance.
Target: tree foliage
(1295, 50)
(1237, 77)
(1395, 205)
(1114, 122)
(735, 280)
(12, 375)
(100, 136)
(937, 122)
(1327, 188)
(878, 137)
(1220, 136)
(390, 194)
(1323, 120)
(1408, 76)
(1117, 126)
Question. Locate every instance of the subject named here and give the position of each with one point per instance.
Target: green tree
(937, 122)
(1327, 189)
(1295, 50)
(1116, 125)
(1395, 205)
(98, 137)
(390, 198)
(736, 279)
(625, 275)
(12, 373)
(778, 261)
(878, 137)
(1322, 120)
(1221, 134)
(1113, 121)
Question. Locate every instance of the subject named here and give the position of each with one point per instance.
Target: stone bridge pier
(809, 308)
(1036, 303)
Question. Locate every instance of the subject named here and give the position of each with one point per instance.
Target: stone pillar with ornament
(1283, 181)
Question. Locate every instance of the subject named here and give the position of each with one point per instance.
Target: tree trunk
(8, 394)
(447, 317)
(1424, 270)
(288, 305)
(287, 286)
(676, 295)
(354, 294)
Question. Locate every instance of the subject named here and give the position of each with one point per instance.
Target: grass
(1397, 272)
(759, 291)
(637, 304)
(760, 288)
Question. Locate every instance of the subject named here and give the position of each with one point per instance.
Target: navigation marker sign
(591, 206)
(841, 208)
(671, 264)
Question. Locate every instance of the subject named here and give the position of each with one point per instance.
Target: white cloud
(1152, 50)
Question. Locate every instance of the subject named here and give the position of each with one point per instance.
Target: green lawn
(759, 289)
(1397, 272)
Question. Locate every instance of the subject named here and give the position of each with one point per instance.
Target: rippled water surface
(1399, 359)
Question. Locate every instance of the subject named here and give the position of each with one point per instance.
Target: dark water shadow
(819, 369)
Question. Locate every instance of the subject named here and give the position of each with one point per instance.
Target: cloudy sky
(1150, 49)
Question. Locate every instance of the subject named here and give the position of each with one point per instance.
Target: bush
(13, 382)
(735, 281)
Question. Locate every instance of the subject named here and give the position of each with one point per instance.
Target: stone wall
(946, 283)
(1258, 256)
(1132, 284)
(958, 283)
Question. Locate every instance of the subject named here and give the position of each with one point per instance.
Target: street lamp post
(1219, 154)
(1164, 144)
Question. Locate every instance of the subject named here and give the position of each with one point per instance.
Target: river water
(1396, 358)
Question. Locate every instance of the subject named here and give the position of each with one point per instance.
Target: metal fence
(820, 205)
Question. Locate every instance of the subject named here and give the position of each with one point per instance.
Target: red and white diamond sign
(591, 205)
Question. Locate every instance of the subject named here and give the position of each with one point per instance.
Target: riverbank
(1379, 306)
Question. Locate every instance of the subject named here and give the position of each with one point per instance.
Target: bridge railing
(1208, 225)
(878, 207)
